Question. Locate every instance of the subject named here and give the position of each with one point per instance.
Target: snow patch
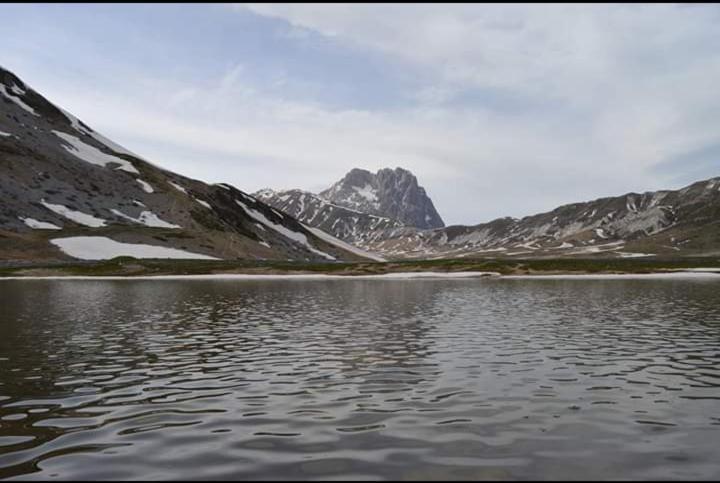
(366, 192)
(599, 248)
(147, 218)
(145, 186)
(293, 235)
(178, 187)
(341, 244)
(17, 90)
(17, 100)
(103, 248)
(630, 204)
(76, 216)
(683, 273)
(634, 255)
(204, 203)
(39, 225)
(528, 245)
(5, 134)
(75, 122)
(93, 155)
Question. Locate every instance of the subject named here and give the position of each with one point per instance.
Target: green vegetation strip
(128, 266)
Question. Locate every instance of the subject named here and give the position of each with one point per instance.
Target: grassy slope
(132, 267)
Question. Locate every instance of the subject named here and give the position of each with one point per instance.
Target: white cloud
(520, 107)
(547, 49)
(473, 162)
(627, 86)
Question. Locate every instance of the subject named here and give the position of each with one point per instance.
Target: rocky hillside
(69, 192)
(390, 193)
(681, 222)
(356, 227)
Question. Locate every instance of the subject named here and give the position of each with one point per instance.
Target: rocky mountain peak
(392, 193)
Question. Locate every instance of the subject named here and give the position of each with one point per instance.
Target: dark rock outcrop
(391, 193)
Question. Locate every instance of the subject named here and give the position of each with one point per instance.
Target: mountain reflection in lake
(373, 379)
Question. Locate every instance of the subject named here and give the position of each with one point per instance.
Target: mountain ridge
(653, 220)
(685, 221)
(69, 192)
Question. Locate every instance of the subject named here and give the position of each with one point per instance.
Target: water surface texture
(360, 379)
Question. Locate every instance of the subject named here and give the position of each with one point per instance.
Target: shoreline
(159, 269)
(420, 275)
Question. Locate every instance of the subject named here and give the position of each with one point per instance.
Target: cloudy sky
(500, 110)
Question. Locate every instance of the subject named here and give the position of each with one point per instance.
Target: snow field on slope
(103, 248)
(147, 218)
(17, 100)
(145, 186)
(39, 225)
(76, 216)
(92, 154)
(293, 235)
(346, 246)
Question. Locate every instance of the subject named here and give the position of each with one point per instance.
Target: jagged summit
(392, 193)
(363, 207)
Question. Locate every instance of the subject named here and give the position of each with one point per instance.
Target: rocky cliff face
(390, 193)
(68, 192)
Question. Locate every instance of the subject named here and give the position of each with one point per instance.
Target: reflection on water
(419, 379)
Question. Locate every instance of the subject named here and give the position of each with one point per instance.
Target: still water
(360, 379)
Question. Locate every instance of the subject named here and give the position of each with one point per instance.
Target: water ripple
(463, 379)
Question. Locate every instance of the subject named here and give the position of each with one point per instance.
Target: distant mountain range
(681, 222)
(68, 192)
